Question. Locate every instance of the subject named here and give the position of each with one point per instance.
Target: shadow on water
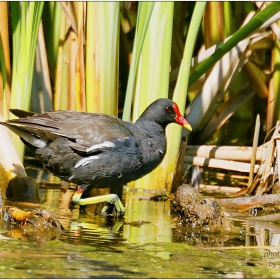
(145, 243)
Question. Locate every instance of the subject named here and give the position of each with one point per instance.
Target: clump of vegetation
(200, 213)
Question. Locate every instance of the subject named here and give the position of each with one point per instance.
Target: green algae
(95, 247)
(57, 259)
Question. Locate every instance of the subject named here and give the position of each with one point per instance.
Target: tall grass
(82, 41)
(25, 17)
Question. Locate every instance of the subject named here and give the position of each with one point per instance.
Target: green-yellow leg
(110, 198)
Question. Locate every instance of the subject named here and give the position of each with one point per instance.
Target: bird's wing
(83, 129)
(21, 113)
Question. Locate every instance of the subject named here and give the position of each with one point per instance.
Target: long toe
(109, 198)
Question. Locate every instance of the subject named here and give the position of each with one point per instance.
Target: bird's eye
(167, 109)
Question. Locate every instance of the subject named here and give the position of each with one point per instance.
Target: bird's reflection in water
(144, 221)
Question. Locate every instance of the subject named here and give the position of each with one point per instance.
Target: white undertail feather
(31, 139)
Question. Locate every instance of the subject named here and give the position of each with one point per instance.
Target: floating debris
(38, 225)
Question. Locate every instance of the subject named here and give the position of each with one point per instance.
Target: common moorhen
(96, 150)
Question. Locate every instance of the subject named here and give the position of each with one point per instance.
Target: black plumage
(97, 150)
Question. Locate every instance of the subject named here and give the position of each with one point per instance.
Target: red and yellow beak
(187, 126)
(180, 119)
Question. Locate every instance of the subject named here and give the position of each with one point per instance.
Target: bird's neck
(149, 129)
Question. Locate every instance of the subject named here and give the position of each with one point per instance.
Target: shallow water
(146, 243)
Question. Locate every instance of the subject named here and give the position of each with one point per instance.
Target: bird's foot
(109, 198)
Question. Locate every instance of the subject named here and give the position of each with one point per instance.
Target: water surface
(146, 243)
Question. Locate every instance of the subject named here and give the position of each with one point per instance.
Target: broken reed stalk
(268, 171)
(254, 151)
(265, 166)
(218, 163)
(238, 153)
(278, 156)
(225, 157)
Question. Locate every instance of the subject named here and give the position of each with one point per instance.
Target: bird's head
(165, 111)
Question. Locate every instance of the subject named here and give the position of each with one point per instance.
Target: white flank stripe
(105, 144)
(122, 139)
(85, 161)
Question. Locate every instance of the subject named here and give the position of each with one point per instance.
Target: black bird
(97, 150)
